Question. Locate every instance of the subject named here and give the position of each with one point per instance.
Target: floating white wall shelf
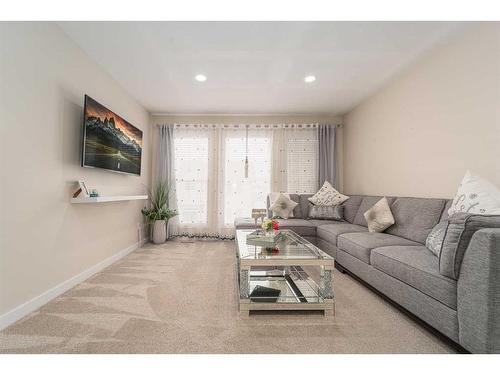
(115, 198)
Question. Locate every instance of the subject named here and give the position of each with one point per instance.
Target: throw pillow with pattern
(326, 212)
(476, 195)
(328, 196)
(434, 241)
(379, 217)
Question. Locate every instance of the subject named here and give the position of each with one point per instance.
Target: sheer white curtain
(192, 160)
(239, 193)
(209, 165)
(295, 151)
(210, 182)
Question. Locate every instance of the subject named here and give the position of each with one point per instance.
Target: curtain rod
(248, 124)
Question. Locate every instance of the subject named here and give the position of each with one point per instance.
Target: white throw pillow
(283, 206)
(476, 195)
(379, 217)
(272, 199)
(328, 196)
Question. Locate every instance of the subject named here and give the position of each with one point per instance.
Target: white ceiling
(254, 67)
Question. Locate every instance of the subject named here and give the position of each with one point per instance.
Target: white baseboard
(26, 308)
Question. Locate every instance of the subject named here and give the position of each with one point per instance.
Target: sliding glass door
(241, 193)
(210, 182)
(191, 155)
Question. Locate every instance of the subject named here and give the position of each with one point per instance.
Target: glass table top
(252, 244)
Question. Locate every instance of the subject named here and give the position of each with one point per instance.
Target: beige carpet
(181, 298)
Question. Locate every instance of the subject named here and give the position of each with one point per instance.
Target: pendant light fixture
(246, 151)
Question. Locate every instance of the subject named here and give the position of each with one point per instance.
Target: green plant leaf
(159, 204)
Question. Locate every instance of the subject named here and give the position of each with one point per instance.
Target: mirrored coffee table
(279, 267)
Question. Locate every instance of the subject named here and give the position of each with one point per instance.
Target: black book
(264, 294)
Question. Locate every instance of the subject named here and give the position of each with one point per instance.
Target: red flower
(276, 225)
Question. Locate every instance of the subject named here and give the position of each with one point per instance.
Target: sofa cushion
(476, 195)
(360, 245)
(367, 202)
(459, 231)
(326, 212)
(283, 206)
(300, 226)
(417, 267)
(297, 211)
(444, 214)
(435, 239)
(415, 217)
(351, 207)
(332, 231)
(327, 195)
(379, 217)
(320, 222)
(304, 204)
(245, 223)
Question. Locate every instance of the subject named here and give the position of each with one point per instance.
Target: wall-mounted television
(109, 141)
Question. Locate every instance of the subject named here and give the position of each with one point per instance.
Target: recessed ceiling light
(310, 79)
(200, 78)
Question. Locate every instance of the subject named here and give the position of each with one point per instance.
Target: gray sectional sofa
(397, 264)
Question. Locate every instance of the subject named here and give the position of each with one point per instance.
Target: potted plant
(159, 212)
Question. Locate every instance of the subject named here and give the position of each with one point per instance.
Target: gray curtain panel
(327, 162)
(165, 169)
(165, 161)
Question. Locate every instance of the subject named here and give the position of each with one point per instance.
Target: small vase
(159, 231)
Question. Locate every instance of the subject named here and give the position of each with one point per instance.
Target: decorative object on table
(379, 217)
(326, 212)
(159, 212)
(328, 196)
(283, 206)
(272, 250)
(476, 195)
(259, 213)
(94, 193)
(82, 189)
(264, 294)
(263, 238)
(269, 226)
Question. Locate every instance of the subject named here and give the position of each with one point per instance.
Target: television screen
(109, 141)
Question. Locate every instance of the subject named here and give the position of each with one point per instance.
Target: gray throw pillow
(461, 227)
(326, 212)
(434, 240)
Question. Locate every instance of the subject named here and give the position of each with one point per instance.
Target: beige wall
(45, 240)
(419, 135)
(253, 119)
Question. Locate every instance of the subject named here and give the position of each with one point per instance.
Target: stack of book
(264, 294)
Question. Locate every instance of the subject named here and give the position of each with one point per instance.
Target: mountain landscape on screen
(110, 141)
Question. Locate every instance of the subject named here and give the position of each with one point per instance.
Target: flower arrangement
(269, 225)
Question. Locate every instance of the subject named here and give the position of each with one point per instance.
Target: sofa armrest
(478, 293)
